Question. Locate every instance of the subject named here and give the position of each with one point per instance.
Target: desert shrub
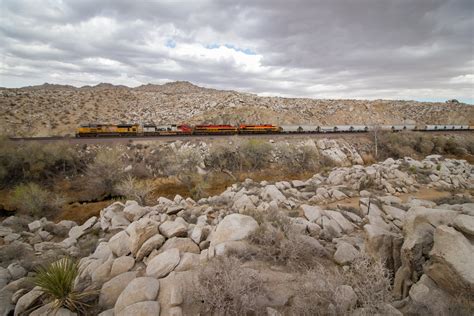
(32, 199)
(371, 281)
(134, 189)
(105, 173)
(255, 154)
(316, 292)
(300, 158)
(224, 158)
(57, 282)
(278, 242)
(32, 161)
(227, 288)
(196, 184)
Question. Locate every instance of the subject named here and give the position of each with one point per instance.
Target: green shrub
(298, 158)
(32, 161)
(57, 282)
(224, 158)
(255, 154)
(30, 198)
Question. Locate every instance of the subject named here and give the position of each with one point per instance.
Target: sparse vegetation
(371, 281)
(33, 200)
(226, 288)
(105, 173)
(412, 144)
(134, 189)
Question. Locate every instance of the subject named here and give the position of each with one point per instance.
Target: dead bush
(224, 159)
(31, 199)
(105, 173)
(134, 189)
(226, 288)
(300, 158)
(371, 281)
(279, 243)
(316, 292)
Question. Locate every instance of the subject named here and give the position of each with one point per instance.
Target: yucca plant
(57, 281)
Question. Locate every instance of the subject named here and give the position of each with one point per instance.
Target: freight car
(111, 130)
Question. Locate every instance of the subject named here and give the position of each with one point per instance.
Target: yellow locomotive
(97, 130)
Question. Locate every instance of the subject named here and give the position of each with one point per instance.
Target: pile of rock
(146, 257)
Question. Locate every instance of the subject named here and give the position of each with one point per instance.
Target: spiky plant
(57, 281)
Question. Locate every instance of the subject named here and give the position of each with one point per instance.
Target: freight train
(112, 130)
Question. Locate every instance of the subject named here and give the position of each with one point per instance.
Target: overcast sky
(389, 49)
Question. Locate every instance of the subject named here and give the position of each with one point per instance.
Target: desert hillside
(57, 109)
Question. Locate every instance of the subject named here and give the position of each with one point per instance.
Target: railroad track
(170, 138)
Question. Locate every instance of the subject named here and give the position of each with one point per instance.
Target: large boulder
(27, 301)
(139, 290)
(345, 253)
(121, 265)
(141, 309)
(243, 204)
(452, 261)
(111, 290)
(271, 193)
(233, 227)
(133, 211)
(120, 244)
(418, 229)
(148, 246)
(173, 229)
(182, 244)
(465, 224)
(162, 264)
(77, 231)
(311, 212)
(140, 231)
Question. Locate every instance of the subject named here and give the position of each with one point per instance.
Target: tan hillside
(58, 109)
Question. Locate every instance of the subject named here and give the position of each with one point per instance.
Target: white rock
(345, 253)
(161, 265)
(173, 229)
(465, 224)
(120, 244)
(16, 270)
(121, 265)
(35, 226)
(111, 290)
(311, 212)
(139, 290)
(233, 227)
(140, 232)
(148, 246)
(271, 193)
(141, 309)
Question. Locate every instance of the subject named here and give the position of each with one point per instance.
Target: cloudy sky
(404, 49)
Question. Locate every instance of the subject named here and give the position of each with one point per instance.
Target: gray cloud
(331, 49)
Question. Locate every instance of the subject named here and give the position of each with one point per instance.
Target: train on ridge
(118, 130)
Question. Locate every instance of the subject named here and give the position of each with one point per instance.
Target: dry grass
(371, 281)
(226, 288)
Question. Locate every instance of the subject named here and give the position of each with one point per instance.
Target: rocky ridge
(57, 110)
(145, 258)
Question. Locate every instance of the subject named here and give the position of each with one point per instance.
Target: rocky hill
(58, 109)
(244, 250)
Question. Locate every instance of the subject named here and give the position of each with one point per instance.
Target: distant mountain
(52, 109)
